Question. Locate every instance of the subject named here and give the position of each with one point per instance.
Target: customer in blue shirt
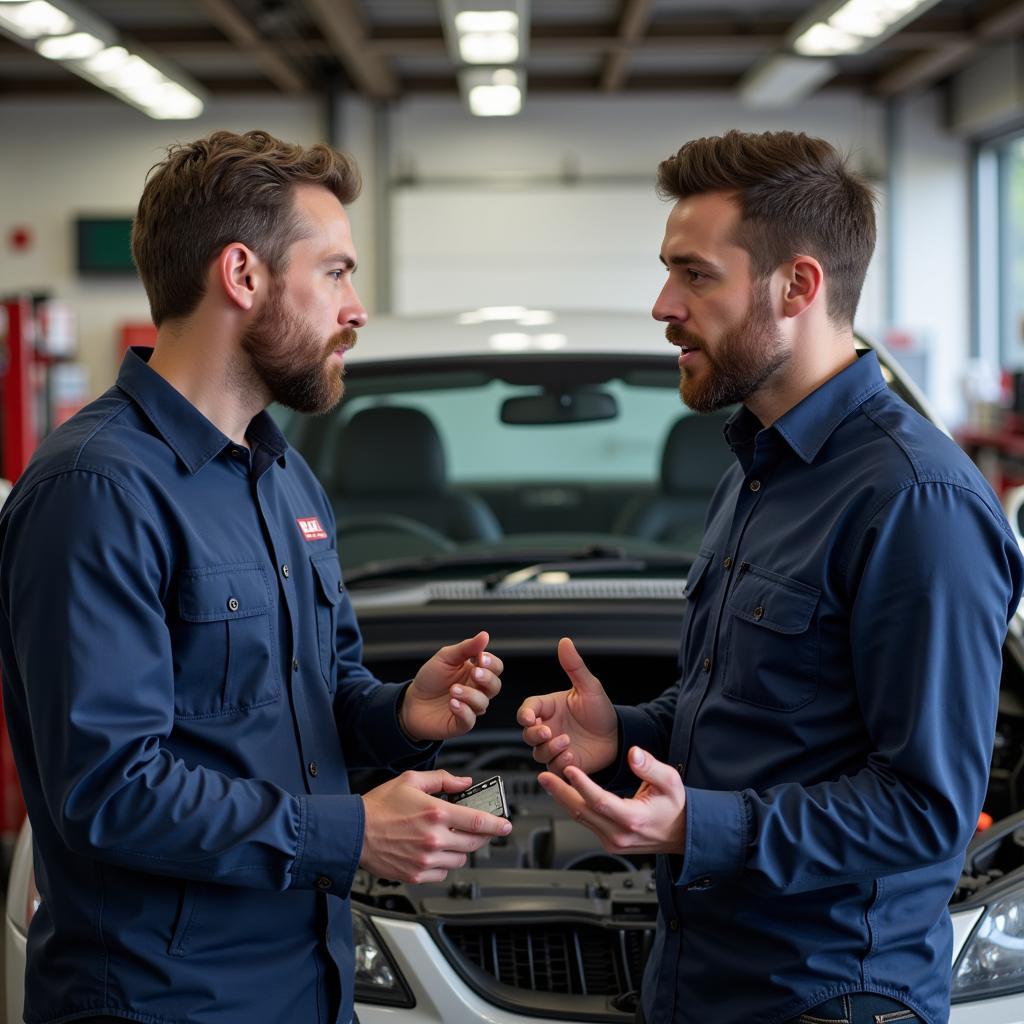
(813, 776)
(181, 665)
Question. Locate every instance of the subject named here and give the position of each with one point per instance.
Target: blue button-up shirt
(834, 714)
(184, 693)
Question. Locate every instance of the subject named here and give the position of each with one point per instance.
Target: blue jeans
(858, 1008)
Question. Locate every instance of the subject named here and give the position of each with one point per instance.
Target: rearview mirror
(580, 405)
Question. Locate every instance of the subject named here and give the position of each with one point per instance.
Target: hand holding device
(413, 836)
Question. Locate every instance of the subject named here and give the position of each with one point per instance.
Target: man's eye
(695, 276)
(336, 274)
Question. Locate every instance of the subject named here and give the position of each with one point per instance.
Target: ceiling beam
(239, 29)
(342, 27)
(928, 68)
(636, 15)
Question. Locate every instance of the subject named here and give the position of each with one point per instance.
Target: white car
(538, 473)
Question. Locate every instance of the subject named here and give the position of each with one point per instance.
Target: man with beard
(811, 779)
(181, 664)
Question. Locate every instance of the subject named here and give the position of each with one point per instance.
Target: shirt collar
(809, 424)
(192, 437)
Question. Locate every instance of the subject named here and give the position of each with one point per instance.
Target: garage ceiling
(385, 49)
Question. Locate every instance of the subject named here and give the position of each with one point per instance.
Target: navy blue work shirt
(834, 715)
(184, 691)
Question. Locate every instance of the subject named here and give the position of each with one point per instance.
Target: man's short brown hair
(222, 189)
(796, 196)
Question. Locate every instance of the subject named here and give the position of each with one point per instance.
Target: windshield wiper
(593, 558)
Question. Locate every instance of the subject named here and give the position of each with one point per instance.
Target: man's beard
(746, 356)
(289, 359)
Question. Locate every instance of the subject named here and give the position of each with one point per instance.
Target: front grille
(556, 957)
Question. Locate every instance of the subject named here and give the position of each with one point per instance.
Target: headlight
(378, 980)
(992, 962)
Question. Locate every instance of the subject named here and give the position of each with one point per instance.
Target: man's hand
(451, 690)
(653, 820)
(577, 726)
(410, 836)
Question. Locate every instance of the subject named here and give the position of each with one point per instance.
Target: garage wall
(62, 159)
(932, 244)
(552, 208)
(556, 207)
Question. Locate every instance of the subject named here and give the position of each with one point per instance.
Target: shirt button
(295, 664)
(233, 604)
(727, 564)
(755, 485)
(236, 452)
(674, 925)
(341, 588)
(758, 613)
(707, 664)
(314, 768)
(285, 571)
(323, 883)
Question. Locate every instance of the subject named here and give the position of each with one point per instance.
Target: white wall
(932, 245)
(487, 221)
(90, 156)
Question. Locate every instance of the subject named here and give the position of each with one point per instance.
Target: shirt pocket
(224, 650)
(329, 588)
(772, 647)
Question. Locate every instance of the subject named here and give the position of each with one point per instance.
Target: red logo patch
(311, 529)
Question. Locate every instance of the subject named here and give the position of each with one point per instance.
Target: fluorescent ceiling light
(88, 46)
(488, 37)
(489, 47)
(486, 21)
(783, 80)
(35, 19)
(854, 26)
(76, 46)
(495, 93)
(495, 100)
(822, 40)
(106, 60)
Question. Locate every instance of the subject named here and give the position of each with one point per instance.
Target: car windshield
(462, 462)
(469, 460)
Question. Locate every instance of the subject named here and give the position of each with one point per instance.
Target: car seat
(693, 459)
(390, 464)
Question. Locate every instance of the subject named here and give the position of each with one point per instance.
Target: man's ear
(241, 274)
(803, 284)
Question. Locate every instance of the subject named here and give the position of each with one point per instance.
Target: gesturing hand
(653, 820)
(411, 836)
(577, 726)
(452, 690)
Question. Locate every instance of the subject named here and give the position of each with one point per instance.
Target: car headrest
(695, 454)
(389, 450)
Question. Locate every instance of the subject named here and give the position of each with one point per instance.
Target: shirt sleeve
(933, 581)
(366, 710)
(84, 576)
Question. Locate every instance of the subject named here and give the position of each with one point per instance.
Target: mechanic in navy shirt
(812, 778)
(181, 664)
